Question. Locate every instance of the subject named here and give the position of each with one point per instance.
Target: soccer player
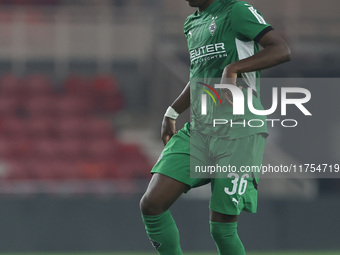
(223, 39)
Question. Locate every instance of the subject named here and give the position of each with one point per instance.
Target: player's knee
(226, 238)
(149, 206)
(220, 231)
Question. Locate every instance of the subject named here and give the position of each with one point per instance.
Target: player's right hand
(168, 129)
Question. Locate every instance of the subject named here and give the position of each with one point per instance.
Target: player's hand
(168, 129)
(229, 76)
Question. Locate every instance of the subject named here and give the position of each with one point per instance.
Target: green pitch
(195, 253)
(248, 253)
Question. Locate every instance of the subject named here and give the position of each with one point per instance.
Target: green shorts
(232, 191)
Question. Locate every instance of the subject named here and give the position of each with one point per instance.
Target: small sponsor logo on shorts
(236, 201)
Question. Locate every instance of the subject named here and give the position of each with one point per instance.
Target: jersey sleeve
(247, 23)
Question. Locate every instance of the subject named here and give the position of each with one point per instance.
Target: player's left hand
(229, 76)
(168, 129)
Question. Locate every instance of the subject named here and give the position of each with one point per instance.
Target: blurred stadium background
(83, 87)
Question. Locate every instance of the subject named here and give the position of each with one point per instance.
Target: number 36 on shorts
(239, 184)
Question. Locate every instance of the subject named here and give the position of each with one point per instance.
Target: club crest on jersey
(212, 27)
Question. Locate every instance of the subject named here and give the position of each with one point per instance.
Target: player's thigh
(169, 175)
(161, 193)
(178, 158)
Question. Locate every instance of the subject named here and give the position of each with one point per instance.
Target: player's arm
(249, 25)
(178, 106)
(275, 51)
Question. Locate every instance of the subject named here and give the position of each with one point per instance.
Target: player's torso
(213, 45)
(211, 41)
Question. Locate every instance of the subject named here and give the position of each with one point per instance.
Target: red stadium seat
(40, 106)
(16, 170)
(15, 148)
(9, 106)
(38, 85)
(138, 167)
(78, 86)
(11, 86)
(48, 136)
(42, 127)
(93, 170)
(111, 169)
(46, 149)
(99, 128)
(110, 103)
(71, 127)
(105, 84)
(51, 169)
(14, 127)
(70, 149)
(101, 149)
(107, 93)
(55, 170)
(6, 148)
(40, 170)
(66, 170)
(23, 148)
(56, 149)
(72, 106)
(128, 151)
(130, 169)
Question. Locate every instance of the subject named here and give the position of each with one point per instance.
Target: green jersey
(227, 31)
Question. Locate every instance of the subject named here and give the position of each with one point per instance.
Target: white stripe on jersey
(246, 50)
(257, 16)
